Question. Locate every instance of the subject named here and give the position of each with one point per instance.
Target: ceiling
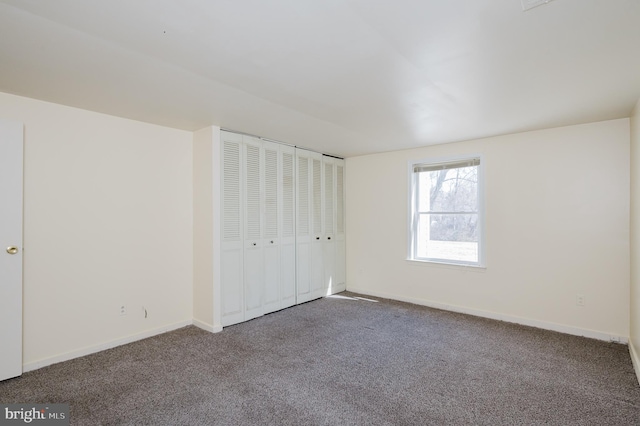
(346, 77)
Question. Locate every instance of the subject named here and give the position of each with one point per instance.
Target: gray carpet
(342, 361)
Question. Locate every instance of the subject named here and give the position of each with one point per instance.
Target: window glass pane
(448, 190)
(447, 237)
(454, 227)
(424, 186)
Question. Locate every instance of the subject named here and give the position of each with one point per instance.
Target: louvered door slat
(328, 198)
(231, 192)
(303, 196)
(252, 192)
(340, 199)
(271, 193)
(317, 196)
(288, 198)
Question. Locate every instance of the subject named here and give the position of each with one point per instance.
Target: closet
(282, 214)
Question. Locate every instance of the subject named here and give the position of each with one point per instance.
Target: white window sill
(448, 265)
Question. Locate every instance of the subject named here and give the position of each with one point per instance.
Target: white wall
(107, 221)
(557, 222)
(634, 339)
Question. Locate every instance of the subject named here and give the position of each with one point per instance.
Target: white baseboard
(575, 331)
(103, 346)
(635, 359)
(207, 327)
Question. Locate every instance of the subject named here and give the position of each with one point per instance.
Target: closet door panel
(328, 249)
(232, 289)
(340, 268)
(253, 250)
(340, 258)
(232, 253)
(317, 210)
(287, 275)
(303, 266)
(253, 279)
(271, 278)
(271, 239)
(287, 228)
(303, 226)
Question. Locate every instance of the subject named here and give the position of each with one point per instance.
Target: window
(446, 211)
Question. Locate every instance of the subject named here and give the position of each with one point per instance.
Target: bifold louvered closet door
(232, 240)
(320, 237)
(280, 230)
(309, 236)
(339, 278)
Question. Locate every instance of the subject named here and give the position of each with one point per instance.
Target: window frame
(412, 231)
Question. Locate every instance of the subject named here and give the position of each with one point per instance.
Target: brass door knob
(12, 250)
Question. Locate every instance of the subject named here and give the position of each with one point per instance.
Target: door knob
(12, 249)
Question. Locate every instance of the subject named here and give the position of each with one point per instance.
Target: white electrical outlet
(123, 310)
(579, 300)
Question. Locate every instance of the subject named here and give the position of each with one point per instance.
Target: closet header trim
(278, 142)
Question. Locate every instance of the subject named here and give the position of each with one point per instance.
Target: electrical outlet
(579, 300)
(123, 310)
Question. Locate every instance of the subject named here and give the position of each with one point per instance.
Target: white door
(271, 234)
(232, 248)
(340, 259)
(303, 227)
(328, 246)
(253, 225)
(11, 158)
(288, 229)
(317, 247)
